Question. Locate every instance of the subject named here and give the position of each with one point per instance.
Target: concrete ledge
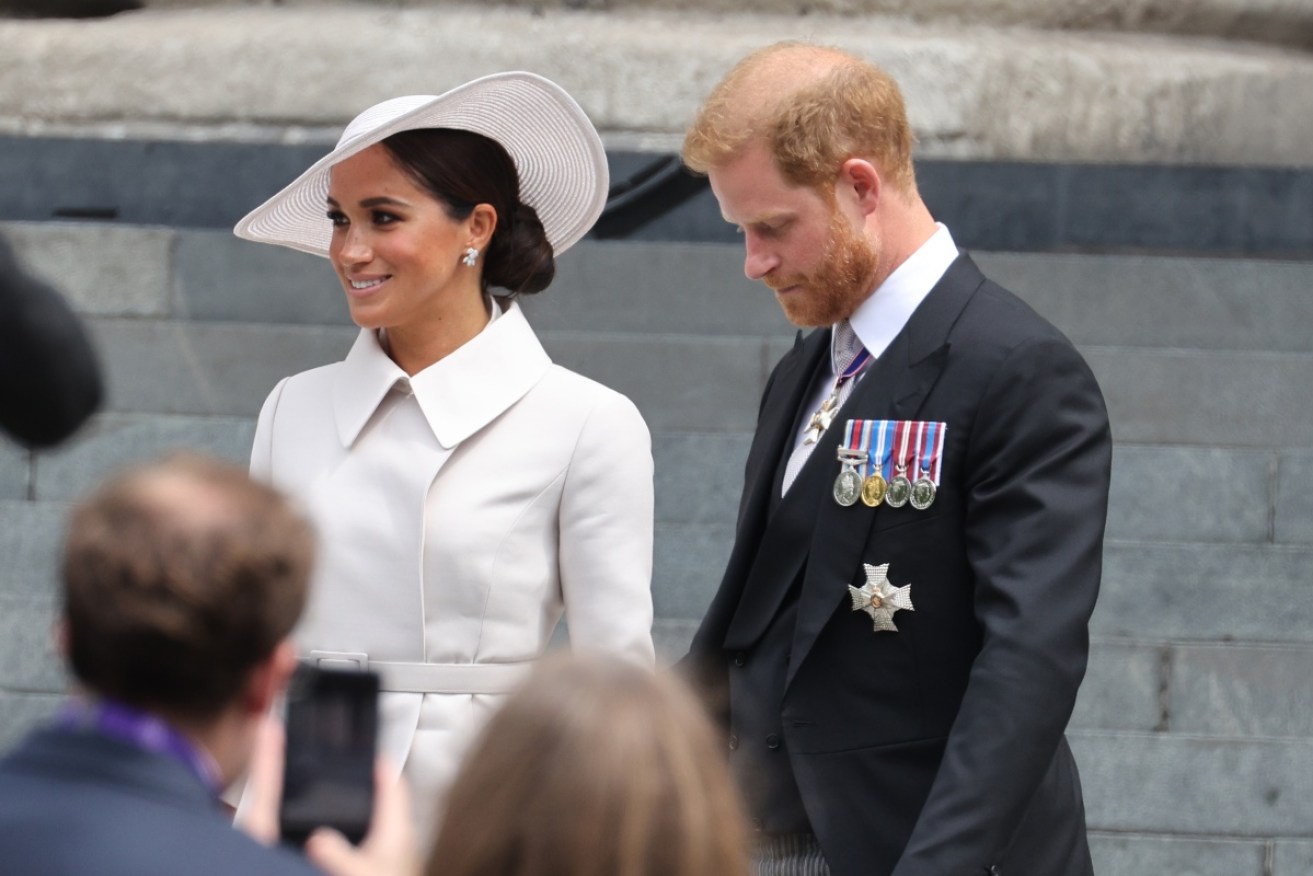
(973, 91)
(1205, 593)
(1240, 788)
(1242, 690)
(115, 440)
(20, 712)
(1138, 855)
(15, 473)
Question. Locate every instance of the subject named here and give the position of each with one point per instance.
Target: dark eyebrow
(374, 202)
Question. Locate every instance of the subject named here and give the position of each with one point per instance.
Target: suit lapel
(894, 389)
(770, 444)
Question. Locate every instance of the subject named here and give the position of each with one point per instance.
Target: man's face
(819, 262)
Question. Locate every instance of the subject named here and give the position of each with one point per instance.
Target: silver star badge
(880, 599)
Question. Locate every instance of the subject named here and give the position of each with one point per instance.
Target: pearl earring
(471, 257)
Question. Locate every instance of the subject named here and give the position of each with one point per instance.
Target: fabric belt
(435, 678)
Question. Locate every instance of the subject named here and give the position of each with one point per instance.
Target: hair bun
(520, 258)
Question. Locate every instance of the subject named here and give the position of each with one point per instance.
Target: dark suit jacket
(936, 750)
(76, 804)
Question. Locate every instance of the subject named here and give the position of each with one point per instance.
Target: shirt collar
(879, 319)
(459, 394)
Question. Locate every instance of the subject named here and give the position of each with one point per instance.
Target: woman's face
(394, 247)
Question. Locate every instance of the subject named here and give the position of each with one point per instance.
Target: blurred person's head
(594, 768)
(808, 150)
(182, 581)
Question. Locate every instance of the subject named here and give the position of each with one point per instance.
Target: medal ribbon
(932, 451)
(902, 432)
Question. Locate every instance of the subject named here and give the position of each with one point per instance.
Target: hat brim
(556, 149)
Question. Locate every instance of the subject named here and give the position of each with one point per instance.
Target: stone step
(1120, 854)
(973, 90)
(1276, 21)
(671, 288)
(1204, 786)
(1159, 493)
(1203, 398)
(1151, 591)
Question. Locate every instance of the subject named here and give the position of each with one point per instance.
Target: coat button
(772, 742)
(739, 658)
(733, 742)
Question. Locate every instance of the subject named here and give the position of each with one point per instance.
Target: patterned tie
(847, 348)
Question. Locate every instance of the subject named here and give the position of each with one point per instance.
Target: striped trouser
(790, 855)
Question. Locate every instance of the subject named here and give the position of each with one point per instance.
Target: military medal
(824, 416)
(875, 486)
(900, 488)
(821, 420)
(923, 488)
(880, 599)
(848, 485)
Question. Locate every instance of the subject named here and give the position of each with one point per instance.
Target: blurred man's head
(182, 579)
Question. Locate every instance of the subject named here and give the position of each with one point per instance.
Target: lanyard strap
(145, 731)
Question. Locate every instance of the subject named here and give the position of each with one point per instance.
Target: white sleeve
(606, 523)
(262, 446)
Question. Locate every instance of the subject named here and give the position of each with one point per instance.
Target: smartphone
(332, 733)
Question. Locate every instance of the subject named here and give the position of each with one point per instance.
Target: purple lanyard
(145, 731)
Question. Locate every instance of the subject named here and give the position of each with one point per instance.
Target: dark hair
(180, 577)
(594, 767)
(463, 169)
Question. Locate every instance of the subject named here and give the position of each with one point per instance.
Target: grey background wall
(1194, 730)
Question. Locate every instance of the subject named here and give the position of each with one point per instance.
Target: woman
(466, 490)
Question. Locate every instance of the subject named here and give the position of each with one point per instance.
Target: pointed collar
(459, 394)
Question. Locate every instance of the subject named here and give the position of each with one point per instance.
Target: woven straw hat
(557, 152)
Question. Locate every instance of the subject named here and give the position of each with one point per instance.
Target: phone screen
(328, 776)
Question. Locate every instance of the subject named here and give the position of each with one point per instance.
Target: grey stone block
(30, 536)
(220, 277)
(116, 440)
(21, 712)
(1294, 498)
(1292, 858)
(671, 638)
(198, 368)
(1121, 687)
(29, 660)
(688, 563)
(699, 477)
(672, 288)
(1190, 494)
(680, 383)
(1164, 783)
(1242, 690)
(1155, 301)
(14, 470)
(1206, 398)
(102, 269)
(1205, 592)
(1122, 855)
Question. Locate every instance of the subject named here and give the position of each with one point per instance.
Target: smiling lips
(367, 285)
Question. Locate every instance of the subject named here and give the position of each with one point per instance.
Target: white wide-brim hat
(556, 150)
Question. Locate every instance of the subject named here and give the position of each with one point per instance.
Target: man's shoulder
(61, 816)
(996, 320)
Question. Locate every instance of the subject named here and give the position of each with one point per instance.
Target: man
(181, 583)
(902, 625)
(49, 374)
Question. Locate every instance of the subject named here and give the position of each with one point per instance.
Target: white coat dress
(460, 512)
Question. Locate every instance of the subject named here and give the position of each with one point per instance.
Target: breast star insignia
(880, 599)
